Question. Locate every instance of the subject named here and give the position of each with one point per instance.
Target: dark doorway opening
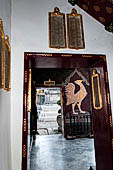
(101, 111)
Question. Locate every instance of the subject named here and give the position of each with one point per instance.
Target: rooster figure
(75, 98)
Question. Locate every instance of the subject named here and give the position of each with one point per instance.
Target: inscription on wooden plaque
(57, 33)
(75, 30)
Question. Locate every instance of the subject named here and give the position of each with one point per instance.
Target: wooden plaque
(7, 64)
(57, 32)
(2, 53)
(75, 30)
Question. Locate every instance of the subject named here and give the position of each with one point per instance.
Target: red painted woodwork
(101, 128)
(101, 10)
(25, 114)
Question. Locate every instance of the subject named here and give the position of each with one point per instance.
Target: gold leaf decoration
(96, 8)
(109, 10)
(85, 7)
(102, 19)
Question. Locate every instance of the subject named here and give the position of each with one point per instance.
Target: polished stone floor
(51, 126)
(53, 152)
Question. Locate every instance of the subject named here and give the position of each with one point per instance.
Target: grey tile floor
(54, 152)
(51, 126)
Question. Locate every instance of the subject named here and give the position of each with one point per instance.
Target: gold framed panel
(75, 32)
(57, 30)
(96, 91)
(49, 83)
(7, 64)
(2, 54)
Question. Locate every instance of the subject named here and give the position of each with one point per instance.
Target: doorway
(101, 110)
(48, 110)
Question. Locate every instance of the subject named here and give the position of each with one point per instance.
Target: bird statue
(75, 98)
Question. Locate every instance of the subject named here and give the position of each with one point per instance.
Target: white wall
(5, 15)
(30, 33)
(5, 99)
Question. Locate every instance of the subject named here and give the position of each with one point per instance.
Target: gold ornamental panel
(96, 91)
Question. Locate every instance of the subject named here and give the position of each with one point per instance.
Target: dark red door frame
(57, 60)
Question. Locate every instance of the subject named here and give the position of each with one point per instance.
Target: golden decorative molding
(26, 57)
(95, 76)
(25, 99)
(29, 55)
(87, 56)
(25, 123)
(25, 78)
(112, 143)
(108, 97)
(66, 55)
(2, 36)
(61, 98)
(39, 54)
(103, 57)
(110, 121)
(24, 151)
(106, 76)
(45, 55)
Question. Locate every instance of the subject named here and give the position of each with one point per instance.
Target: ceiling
(101, 10)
